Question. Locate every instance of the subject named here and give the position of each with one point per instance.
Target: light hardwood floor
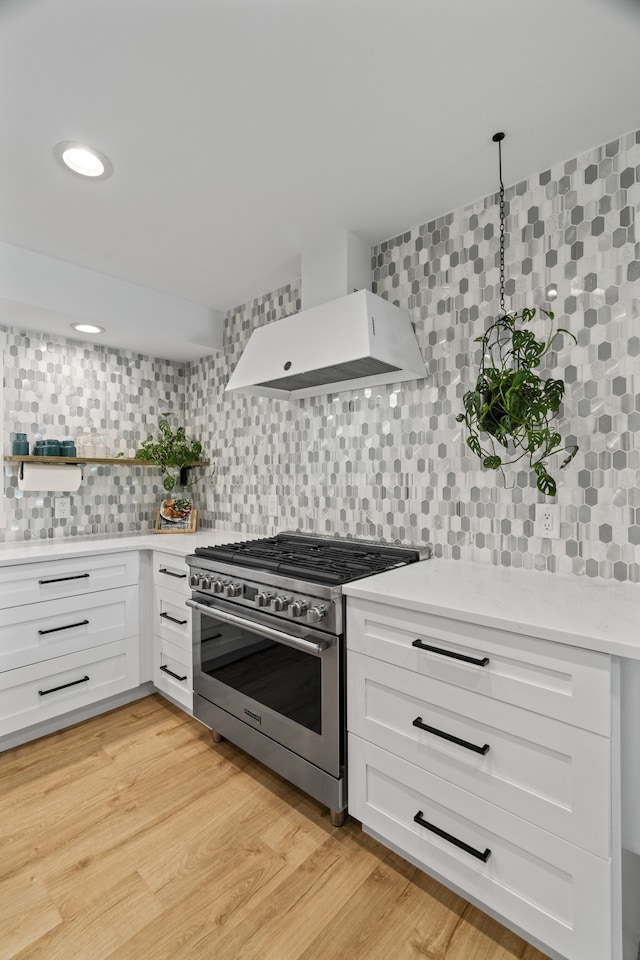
(131, 837)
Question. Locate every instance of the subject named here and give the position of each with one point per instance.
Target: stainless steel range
(268, 650)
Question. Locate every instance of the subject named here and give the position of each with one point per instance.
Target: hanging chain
(498, 138)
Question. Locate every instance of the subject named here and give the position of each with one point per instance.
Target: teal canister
(67, 448)
(20, 445)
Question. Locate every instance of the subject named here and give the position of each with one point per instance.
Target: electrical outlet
(272, 505)
(62, 508)
(547, 521)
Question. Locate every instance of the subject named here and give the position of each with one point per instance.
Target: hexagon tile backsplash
(57, 388)
(391, 462)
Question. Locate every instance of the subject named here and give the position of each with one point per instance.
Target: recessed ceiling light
(79, 158)
(87, 328)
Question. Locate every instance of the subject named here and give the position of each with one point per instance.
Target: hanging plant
(171, 449)
(511, 407)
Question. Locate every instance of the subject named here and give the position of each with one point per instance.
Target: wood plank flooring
(131, 837)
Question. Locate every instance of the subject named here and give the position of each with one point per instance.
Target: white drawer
(174, 673)
(30, 694)
(171, 572)
(568, 683)
(42, 631)
(550, 773)
(50, 580)
(172, 618)
(551, 889)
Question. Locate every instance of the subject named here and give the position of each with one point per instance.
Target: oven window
(276, 676)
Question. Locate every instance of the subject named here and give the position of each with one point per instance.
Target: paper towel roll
(49, 476)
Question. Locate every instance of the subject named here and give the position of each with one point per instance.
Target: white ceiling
(244, 131)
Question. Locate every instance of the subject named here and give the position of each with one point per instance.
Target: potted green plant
(508, 412)
(171, 450)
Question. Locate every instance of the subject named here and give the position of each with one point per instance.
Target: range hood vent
(341, 339)
(355, 341)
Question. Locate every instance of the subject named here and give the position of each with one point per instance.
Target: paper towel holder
(21, 471)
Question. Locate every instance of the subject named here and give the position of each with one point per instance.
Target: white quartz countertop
(599, 615)
(179, 544)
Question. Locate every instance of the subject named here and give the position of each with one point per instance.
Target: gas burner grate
(320, 560)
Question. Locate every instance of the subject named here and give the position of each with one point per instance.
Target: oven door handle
(307, 646)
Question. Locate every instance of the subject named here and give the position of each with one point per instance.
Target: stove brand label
(254, 716)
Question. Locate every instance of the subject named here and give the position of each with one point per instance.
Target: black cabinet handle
(167, 616)
(479, 662)
(484, 856)
(75, 576)
(171, 673)
(73, 683)
(449, 736)
(170, 573)
(67, 626)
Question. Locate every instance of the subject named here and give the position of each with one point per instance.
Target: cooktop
(330, 560)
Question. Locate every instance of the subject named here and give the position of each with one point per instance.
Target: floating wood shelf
(127, 461)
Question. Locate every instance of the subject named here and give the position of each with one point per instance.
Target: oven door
(283, 679)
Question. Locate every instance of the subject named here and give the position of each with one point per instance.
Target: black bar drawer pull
(67, 626)
(172, 674)
(479, 662)
(75, 576)
(449, 736)
(64, 686)
(170, 573)
(451, 839)
(167, 616)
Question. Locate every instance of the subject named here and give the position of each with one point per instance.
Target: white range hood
(349, 342)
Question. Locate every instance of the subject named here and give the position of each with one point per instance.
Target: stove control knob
(194, 580)
(316, 614)
(205, 583)
(281, 603)
(263, 599)
(298, 607)
(217, 586)
(233, 590)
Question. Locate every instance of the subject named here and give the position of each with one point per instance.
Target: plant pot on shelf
(171, 451)
(174, 477)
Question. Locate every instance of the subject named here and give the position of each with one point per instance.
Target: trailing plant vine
(171, 449)
(508, 412)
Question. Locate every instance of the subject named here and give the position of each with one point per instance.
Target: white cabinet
(69, 577)
(548, 887)
(568, 683)
(69, 634)
(485, 756)
(45, 689)
(76, 631)
(41, 631)
(550, 773)
(172, 652)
